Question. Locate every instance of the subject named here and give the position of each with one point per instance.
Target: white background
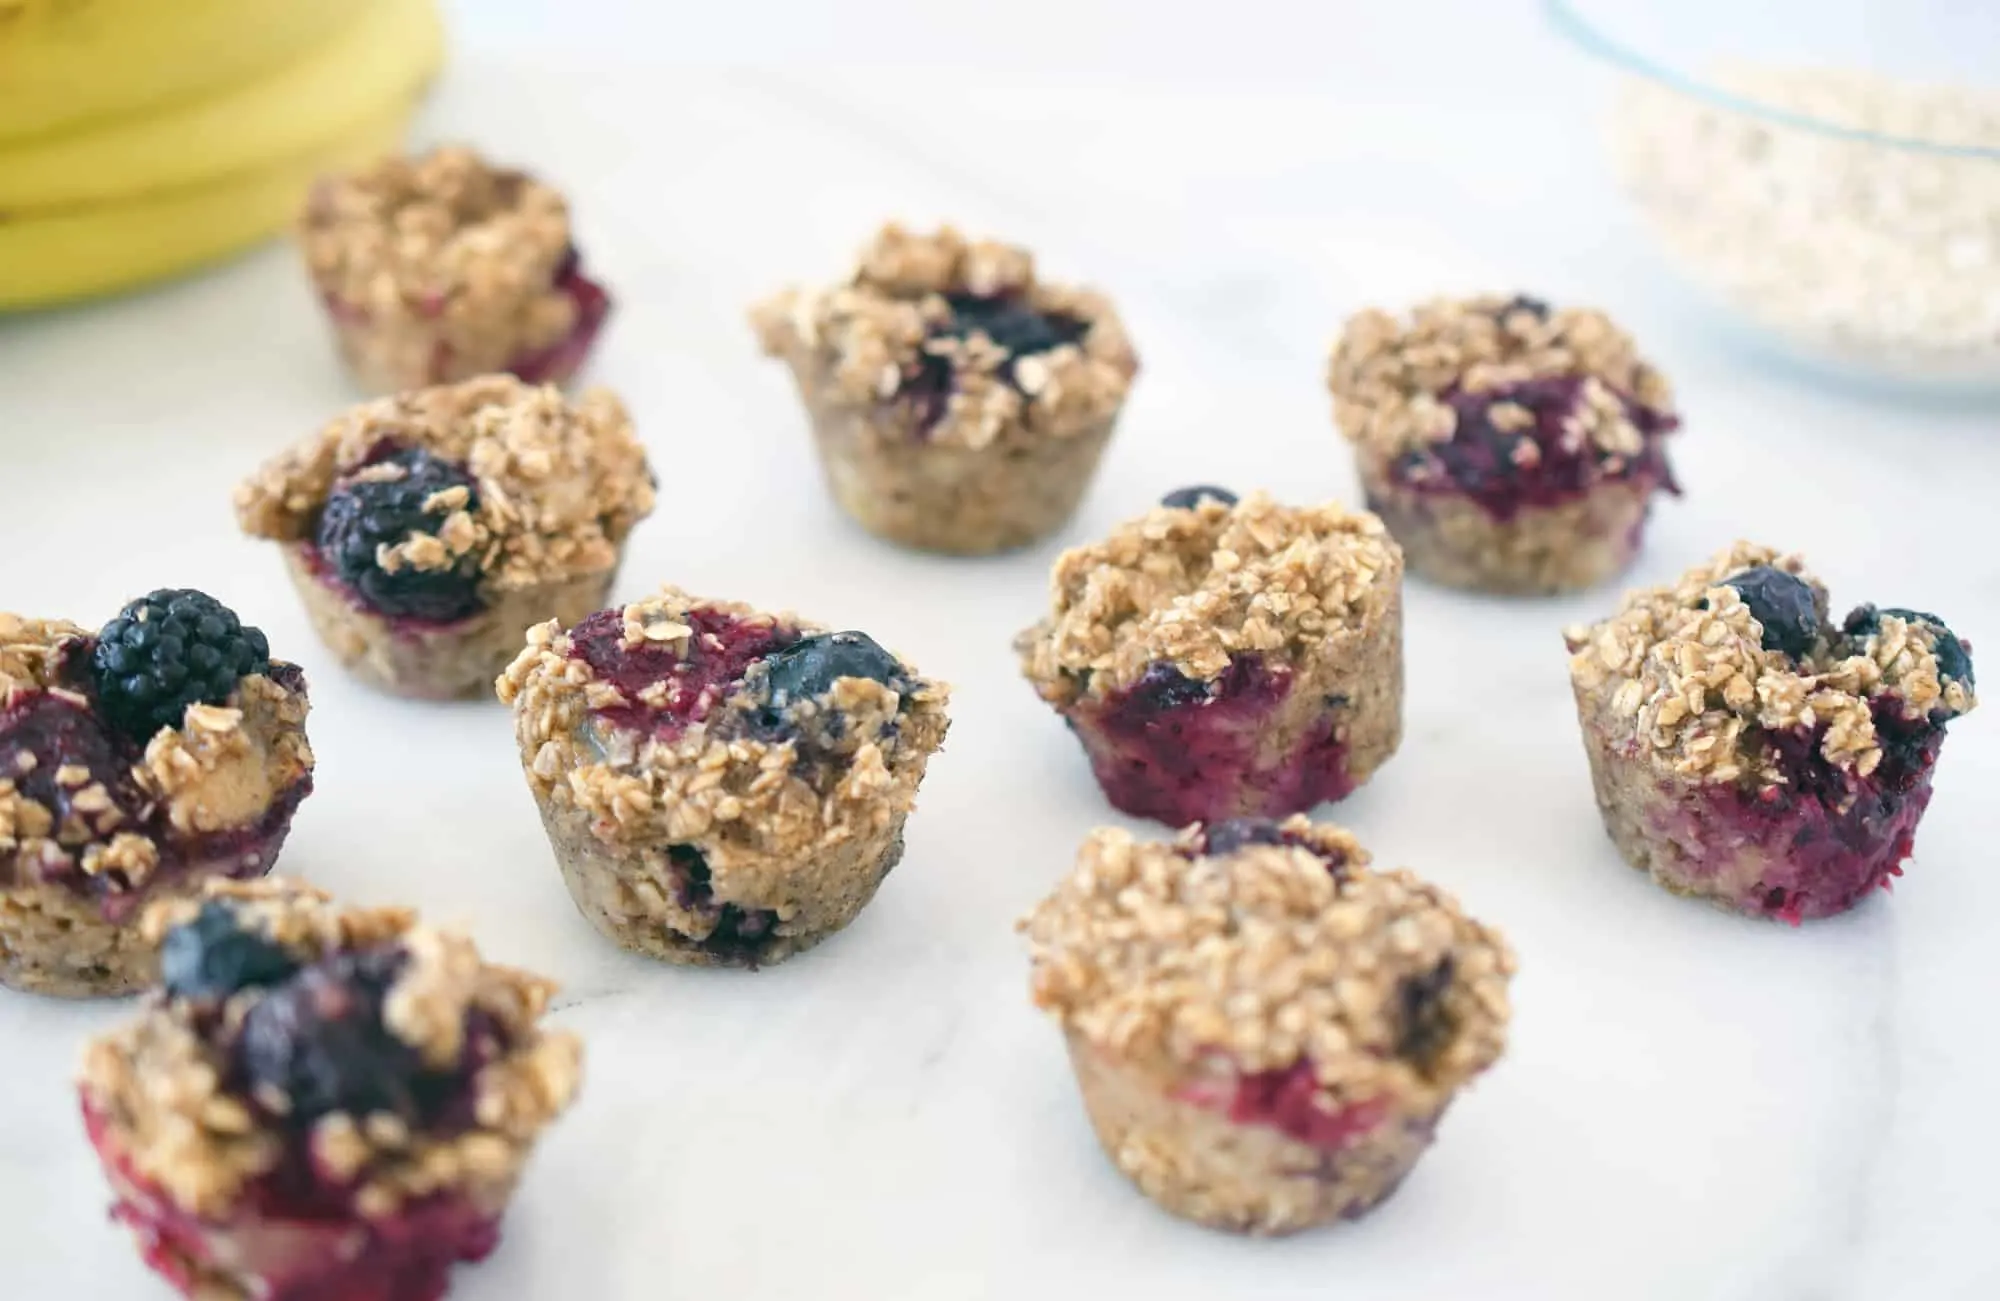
(1693, 1106)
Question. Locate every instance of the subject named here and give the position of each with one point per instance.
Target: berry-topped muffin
(1265, 1032)
(959, 402)
(440, 268)
(323, 1103)
(136, 763)
(1509, 447)
(427, 532)
(721, 787)
(1219, 657)
(1748, 750)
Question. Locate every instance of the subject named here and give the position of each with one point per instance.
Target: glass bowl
(1827, 170)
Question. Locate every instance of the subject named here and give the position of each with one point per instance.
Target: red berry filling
(1182, 751)
(1006, 321)
(1545, 463)
(55, 748)
(552, 363)
(1288, 1101)
(1831, 835)
(692, 674)
(558, 361)
(294, 1249)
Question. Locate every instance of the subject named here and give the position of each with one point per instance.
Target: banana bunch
(140, 138)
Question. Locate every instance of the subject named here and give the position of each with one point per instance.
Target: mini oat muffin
(1509, 448)
(1746, 750)
(960, 404)
(427, 532)
(136, 763)
(440, 268)
(323, 1103)
(721, 787)
(1265, 1032)
(1218, 658)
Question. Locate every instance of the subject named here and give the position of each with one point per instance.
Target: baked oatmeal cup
(1265, 1032)
(427, 532)
(721, 787)
(960, 403)
(136, 764)
(322, 1103)
(1509, 447)
(444, 267)
(1746, 750)
(1220, 658)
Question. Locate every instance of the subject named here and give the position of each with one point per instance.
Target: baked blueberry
(1954, 661)
(1189, 498)
(1007, 322)
(1012, 323)
(739, 933)
(1534, 307)
(808, 668)
(212, 955)
(1232, 834)
(168, 650)
(1783, 605)
(1427, 1022)
(318, 1040)
(371, 517)
(1163, 686)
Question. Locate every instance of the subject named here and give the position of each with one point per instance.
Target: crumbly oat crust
(803, 827)
(1683, 669)
(1193, 586)
(161, 1090)
(1185, 963)
(1387, 374)
(864, 338)
(561, 484)
(440, 252)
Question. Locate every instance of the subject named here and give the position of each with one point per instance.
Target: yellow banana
(388, 50)
(67, 63)
(101, 250)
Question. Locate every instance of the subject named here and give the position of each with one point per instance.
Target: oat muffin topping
(1393, 380)
(962, 336)
(1703, 679)
(663, 722)
(1195, 585)
(445, 231)
(556, 485)
(1271, 949)
(383, 1055)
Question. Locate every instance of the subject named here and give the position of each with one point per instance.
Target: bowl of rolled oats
(1841, 196)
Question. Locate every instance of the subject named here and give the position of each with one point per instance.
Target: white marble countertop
(1693, 1108)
